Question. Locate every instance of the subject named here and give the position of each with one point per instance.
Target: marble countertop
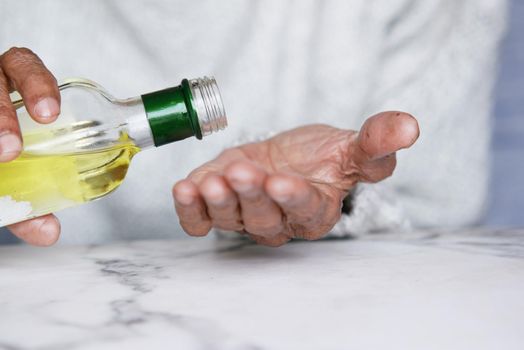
(427, 290)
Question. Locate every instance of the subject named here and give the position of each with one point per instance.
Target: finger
(222, 203)
(386, 133)
(302, 205)
(274, 242)
(191, 209)
(373, 150)
(10, 139)
(260, 214)
(27, 74)
(42, 231)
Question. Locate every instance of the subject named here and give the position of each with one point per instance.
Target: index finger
(27, 74)
(22, 70)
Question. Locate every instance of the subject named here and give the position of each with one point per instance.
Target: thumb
(373, 151)
(41, 231)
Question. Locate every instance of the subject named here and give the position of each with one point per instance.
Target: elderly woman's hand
(291, 185)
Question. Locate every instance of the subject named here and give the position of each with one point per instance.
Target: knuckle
(18, 53)
(6, 112)
(199, 174)
(36, 79)
(19, 56)
(25, 69)
(7, 118)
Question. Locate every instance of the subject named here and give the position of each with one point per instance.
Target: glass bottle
(85, 154)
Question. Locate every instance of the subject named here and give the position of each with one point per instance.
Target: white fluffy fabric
(375, 209)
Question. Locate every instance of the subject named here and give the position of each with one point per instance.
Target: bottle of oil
(85, 154)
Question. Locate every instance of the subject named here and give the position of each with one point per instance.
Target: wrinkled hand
(23, 71)
(291, 185)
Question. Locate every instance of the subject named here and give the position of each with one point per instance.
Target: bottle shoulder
(90, 119)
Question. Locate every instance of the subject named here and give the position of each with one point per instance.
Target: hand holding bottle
(291, 185)
(23, 71)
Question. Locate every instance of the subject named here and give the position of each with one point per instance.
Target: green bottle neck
(171, 114)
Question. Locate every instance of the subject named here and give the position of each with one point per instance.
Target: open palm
(291, 185)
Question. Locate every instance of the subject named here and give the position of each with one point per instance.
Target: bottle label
(12, 211)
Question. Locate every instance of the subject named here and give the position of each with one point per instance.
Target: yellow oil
(51, 182)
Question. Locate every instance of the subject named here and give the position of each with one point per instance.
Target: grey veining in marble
(430, 290)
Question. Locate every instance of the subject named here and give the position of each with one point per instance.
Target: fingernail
(9, 144)
(215, 195)
(241, 186)
(184, 199)
(48, 229)
(47, 108)
(280, 191)
(281, 197)
(48, 233)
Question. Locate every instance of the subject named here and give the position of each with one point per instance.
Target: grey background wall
(506, 206)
